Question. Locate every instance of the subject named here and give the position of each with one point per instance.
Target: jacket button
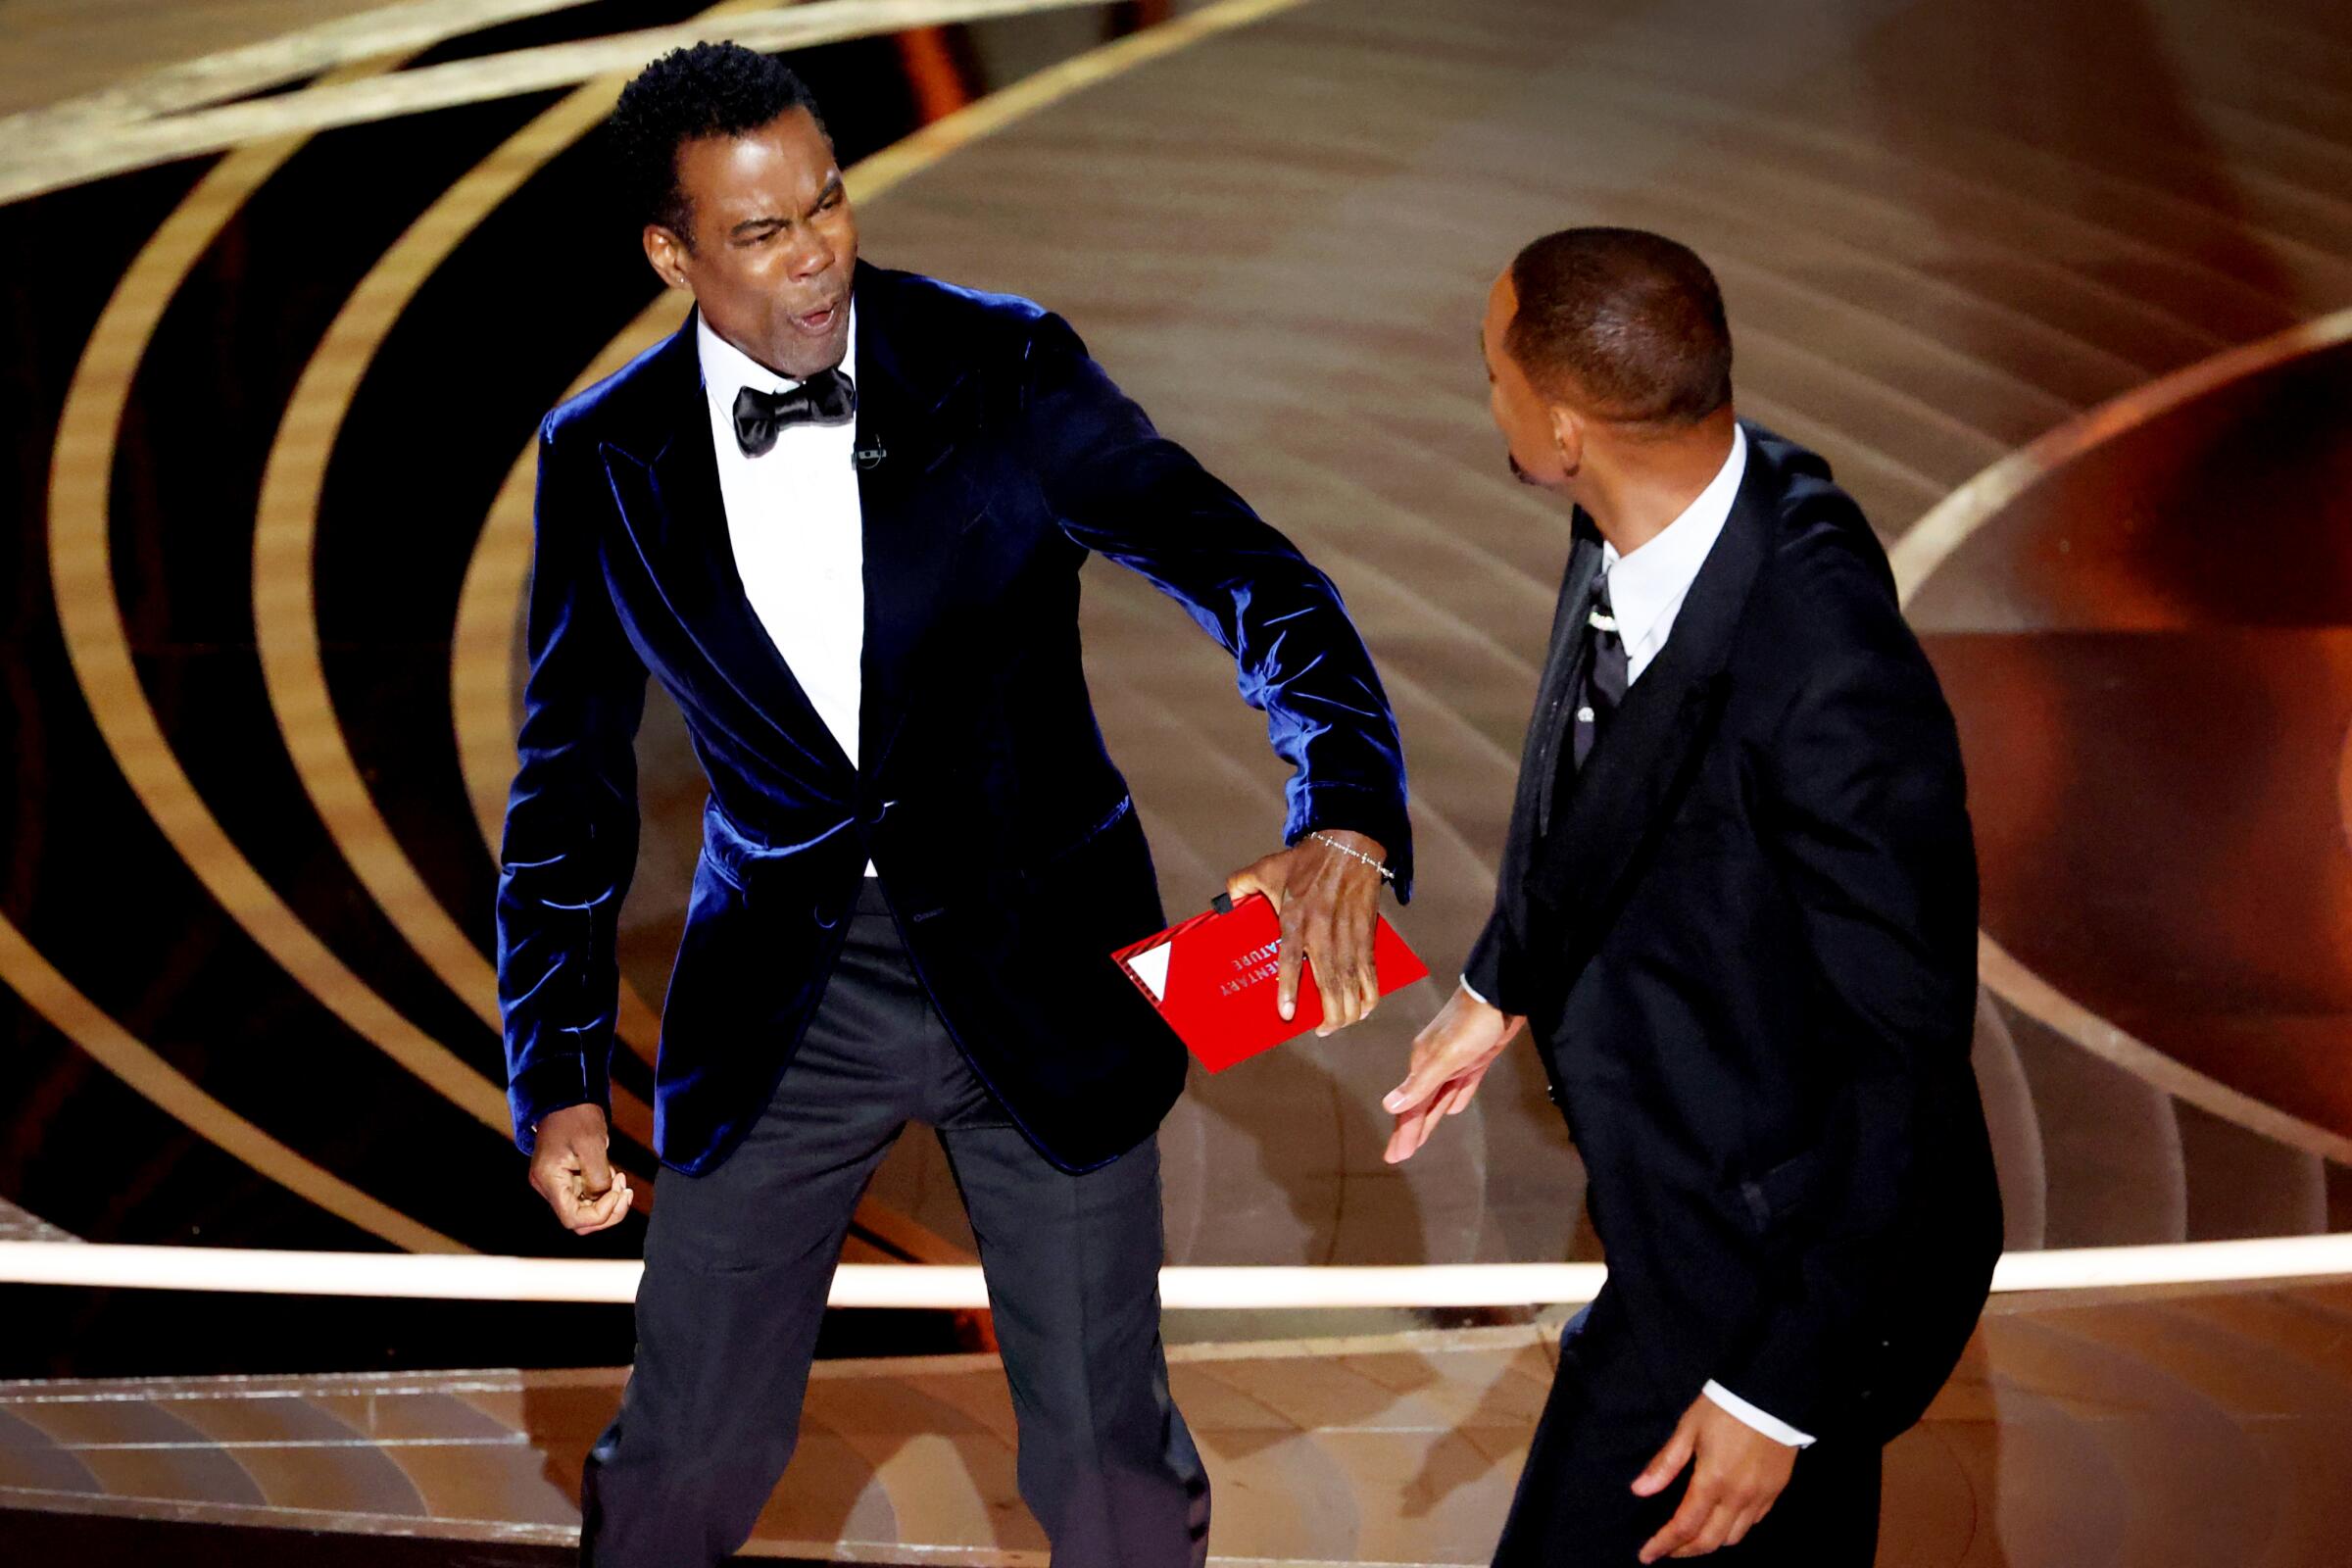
(818, 912)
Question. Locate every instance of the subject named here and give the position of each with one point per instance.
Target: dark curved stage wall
(2154, 701)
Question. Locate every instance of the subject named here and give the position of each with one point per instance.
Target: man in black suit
(840, 516)
(1737, 908)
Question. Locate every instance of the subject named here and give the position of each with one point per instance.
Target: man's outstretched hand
(1330, 904)
(570, 1170)
(1450, 1059)
(1737, 1475)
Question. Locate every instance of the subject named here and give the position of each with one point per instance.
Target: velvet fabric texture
(1006, 839)
(1745, 943)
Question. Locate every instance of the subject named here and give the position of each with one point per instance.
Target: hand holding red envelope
(1213, 979)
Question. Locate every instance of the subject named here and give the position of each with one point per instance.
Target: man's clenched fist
(568, 1168)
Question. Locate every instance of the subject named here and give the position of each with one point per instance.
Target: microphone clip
(869, 457)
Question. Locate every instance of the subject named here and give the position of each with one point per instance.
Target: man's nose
(810, 255)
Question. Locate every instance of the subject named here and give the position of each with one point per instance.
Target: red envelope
(1213, 979)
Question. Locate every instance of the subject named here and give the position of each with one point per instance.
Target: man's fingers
(563, 1197)
(1367, 974)
(1286, 970)
(1741, 1525)
(606, 1211)
(1400, 1145)
(1418, 1127)
(1252, 879)
(1314, 942)
(1713, 1532)
(596, 1169)
(1334, 972)
(1657, 1475)
(580, 1184)
(1411, 1132)
(1422, 1081)
(1457, 1099)
(555, 1177)
(1698, 1504)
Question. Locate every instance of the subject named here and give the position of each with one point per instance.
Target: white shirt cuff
(1484, 1002)
(1748, 1415)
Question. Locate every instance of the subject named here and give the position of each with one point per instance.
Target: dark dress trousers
(1743, 935)
(814, 1012)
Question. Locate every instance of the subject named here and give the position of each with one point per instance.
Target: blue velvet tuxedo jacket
(1006, 841)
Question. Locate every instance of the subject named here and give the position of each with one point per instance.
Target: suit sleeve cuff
(1746, 1414)
(1487, 973)
(1473, 991)
(539, 1091)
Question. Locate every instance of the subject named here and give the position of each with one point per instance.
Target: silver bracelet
(1330, 842)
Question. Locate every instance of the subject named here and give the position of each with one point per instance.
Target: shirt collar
(1651, 584)
(726, 369)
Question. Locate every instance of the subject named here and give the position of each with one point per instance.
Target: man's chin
(802, 355)
(807, 362)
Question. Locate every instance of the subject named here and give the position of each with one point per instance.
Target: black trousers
(738, 1262)
(1604, 1421)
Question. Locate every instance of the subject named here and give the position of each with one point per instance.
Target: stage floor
(2187, 1430)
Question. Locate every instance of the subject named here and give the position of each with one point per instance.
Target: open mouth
(818, 320)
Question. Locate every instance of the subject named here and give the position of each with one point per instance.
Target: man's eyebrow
(833, 186)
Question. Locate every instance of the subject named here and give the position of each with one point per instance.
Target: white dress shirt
(798, 533)
(1646, 590)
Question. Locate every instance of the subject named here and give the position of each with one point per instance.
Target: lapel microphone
(869, 458)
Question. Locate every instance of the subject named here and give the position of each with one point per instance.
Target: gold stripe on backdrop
(170, 1091)
(285, 547)
(113, 149)
(212, 78)
(81, 570)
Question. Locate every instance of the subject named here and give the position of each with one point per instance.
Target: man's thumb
(596, 1170)
(1419, 1084)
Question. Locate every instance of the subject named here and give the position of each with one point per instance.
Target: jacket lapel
(670, 494)
(914, 404)
(1563, 668)
(1638, 772)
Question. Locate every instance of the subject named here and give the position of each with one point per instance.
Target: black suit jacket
(1744, 938)
(1006, 841)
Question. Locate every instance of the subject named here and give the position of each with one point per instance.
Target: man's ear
(1568, 434)
(667, 252)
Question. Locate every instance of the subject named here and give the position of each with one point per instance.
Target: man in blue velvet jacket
(840, 516)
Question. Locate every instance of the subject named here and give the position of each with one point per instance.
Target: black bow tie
(825, 398)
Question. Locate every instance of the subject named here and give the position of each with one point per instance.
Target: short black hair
(710, 89)
(1630, 321)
